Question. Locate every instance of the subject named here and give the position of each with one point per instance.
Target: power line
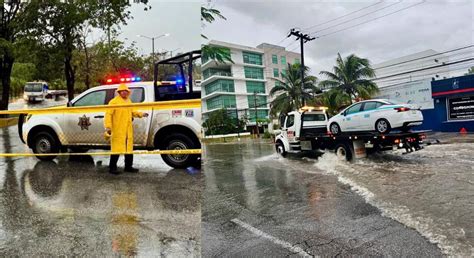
(420, 58)
(358, 24)
(426, 68)
(364, 15)
(337, 18)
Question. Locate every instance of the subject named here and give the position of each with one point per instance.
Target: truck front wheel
(280, 149)
(178, 141)
(45, 143)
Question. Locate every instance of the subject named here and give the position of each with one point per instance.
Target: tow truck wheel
(280, 149)
(382, 126)
(344, 152)
(178, 141)
(335, 129)
(44, 143)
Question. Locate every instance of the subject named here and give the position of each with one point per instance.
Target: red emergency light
(123, 78)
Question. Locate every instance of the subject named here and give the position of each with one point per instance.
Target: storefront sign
(416, 92)
(461, 108)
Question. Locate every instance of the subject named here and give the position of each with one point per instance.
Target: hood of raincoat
(123, 87)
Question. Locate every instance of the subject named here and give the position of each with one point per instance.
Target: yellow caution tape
(172, 104)
(161, 152)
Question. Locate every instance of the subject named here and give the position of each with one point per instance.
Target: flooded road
(73, 207)
(431, 190)
(20, 103)
(258, 204)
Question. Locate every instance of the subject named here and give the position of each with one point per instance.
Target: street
(257, 203)
(72, 206)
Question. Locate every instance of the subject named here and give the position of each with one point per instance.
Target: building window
(283, 72)
(274, 59)
(253, 72)
(252, 58)
(258, 87)
(223, 101)
(297, 61)
(276, 72)
(261, 114)
(283, 60)
(261, 101)
(214, 71)
(220, 86)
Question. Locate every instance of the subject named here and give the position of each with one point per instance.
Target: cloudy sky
(434, 24)
(181, 19)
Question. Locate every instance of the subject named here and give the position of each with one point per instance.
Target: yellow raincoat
(120, 122)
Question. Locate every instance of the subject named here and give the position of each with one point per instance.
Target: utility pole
(303, 38)
(237, 123)
(256, 114)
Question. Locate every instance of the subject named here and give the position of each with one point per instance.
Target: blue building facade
(453, 101)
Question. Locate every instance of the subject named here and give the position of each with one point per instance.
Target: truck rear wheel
(178, 141)
(344, 151)
(45, 143)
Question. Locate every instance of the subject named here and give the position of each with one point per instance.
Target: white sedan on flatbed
(380, 115)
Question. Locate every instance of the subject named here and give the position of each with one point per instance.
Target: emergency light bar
(121, 79)
(309, 108)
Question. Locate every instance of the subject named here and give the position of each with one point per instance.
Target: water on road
(72, 206)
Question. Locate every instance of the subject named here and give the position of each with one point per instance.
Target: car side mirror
(69, 104)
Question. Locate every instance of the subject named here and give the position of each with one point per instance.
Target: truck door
(290, 128)
(87, 128)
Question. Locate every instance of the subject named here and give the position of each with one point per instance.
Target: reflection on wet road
(257, 204)
(72, 206)
(20, 103)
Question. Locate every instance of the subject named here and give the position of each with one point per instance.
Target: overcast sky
(435, 24)
(179, 18)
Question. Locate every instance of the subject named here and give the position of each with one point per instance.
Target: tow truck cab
(306, 122)
(163, 129)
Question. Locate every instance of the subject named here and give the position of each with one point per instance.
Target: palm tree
(333, 100)
(289, 92)
(219, 54)
(351, 76)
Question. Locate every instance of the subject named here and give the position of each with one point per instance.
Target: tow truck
(305, 130)
(162, 129)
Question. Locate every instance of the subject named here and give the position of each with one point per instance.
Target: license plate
(306, 145)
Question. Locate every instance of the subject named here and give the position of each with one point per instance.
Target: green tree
(351, 76)
(290, 92)
(220, 122)
(10, 11)
(219, 54)
(333, 100)
(59, 23)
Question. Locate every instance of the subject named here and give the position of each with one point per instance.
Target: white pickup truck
(172, 129)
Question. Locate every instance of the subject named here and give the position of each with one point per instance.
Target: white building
(243, 87)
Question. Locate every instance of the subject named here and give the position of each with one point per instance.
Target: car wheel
(382, 126)
(178, 141)
(344, 152)
(280, 149)
(45, 143)
(335, 129)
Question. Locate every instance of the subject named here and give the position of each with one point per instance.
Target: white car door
(352, 118)
(86, 128)
(290, 127)
(369, 115)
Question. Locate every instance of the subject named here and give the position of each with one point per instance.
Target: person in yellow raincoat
(119, 125)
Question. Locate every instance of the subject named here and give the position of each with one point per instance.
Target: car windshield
(34, 87)
(314, 117)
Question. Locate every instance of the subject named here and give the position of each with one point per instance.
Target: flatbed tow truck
(305, 131)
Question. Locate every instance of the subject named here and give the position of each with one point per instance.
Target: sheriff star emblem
(84, 122)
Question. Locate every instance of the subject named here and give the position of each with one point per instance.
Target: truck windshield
(34, 87)
(314, 117)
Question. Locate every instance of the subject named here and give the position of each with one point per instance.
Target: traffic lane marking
(284, 244)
